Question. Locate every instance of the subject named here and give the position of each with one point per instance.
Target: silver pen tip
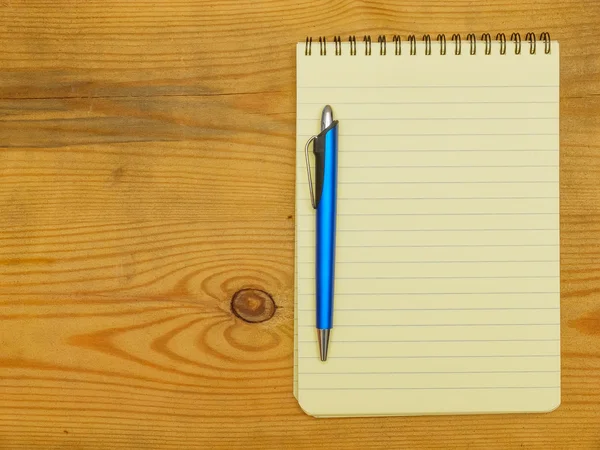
(326, 117)
(323, 343)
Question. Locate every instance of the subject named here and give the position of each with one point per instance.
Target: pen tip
(323, 343)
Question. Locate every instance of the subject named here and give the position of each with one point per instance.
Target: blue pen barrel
(326, 187)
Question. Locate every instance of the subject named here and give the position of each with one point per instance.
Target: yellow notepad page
(447, 273)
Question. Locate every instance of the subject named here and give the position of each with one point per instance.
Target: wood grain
(147, 175)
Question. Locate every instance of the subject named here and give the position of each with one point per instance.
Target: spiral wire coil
(396, 41)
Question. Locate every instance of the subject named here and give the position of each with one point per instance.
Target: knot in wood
(253, 305)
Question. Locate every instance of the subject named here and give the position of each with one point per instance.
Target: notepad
(447, 290)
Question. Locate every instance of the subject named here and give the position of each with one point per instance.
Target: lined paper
(447, 274)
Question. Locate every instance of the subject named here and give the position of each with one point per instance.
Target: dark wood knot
(253, 305)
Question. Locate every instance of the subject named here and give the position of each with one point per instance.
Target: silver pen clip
(326, 121)
(310, 183)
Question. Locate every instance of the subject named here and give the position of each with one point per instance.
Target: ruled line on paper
(444, 214)
(400, 388)
(431, 293)
(442, 229)
(311, 119)
(301, 183)
(444, 325)
(440, 167)
(441, 278)
(443, 198)
(554, 308)
(439, 262)
(460, 102)
(339, 86)
(442, 134)
(371, 246)
(400, 150)
(432, 373)
(435, 340)
(432, 356)
(424, 230)
(413, 293)
(436, 102)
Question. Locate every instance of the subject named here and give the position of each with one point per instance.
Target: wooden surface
(147, 175)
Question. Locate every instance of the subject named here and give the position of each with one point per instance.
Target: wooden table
(147, 171)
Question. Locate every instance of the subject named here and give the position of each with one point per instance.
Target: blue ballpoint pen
(324, 201)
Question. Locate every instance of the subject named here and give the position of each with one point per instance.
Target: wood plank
(147, 175)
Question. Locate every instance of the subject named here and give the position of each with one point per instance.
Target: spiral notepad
(447, 288)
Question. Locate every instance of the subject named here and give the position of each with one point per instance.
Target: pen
(324, 200)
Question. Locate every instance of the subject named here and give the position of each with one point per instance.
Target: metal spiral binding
(457, 44)
(308, 47)
(352, 40)
(441, 39)
(516, 37)
(427, 40)
(397, 45)
(531, 38)
(546, 38)
(322, 46)
(338, 45)
(488, 42)
(413, 44)
(502, 38)
(382, 45)
(367, 41)
(472, 43)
